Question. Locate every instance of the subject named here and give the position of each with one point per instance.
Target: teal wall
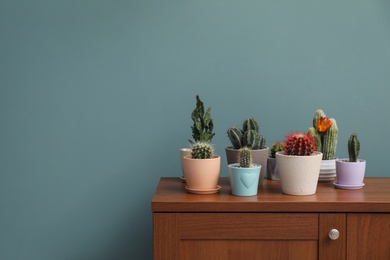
(96, 96)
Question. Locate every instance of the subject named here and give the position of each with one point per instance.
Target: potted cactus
(249, 136)
(272, 170)
(244, 175)
(350, 171)
(202, 169)
(325, 132)
(299, 164)
(202, 129)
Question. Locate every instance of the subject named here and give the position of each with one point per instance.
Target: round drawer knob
(334, 234)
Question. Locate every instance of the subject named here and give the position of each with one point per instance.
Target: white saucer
(198, 191)
(348, 187)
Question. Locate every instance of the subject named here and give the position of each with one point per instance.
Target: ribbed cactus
(245, 157)
(236, 136)
(202, 150)
(202, 129)
(299, 144)
(329, 141)
(249, 136)
(316, 137)
(324, 132)
(353, 147)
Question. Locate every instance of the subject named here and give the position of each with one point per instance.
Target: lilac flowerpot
(350, 173)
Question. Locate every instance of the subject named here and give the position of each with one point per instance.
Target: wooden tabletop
(171, 196)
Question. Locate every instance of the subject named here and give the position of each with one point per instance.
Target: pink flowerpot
(202, 174)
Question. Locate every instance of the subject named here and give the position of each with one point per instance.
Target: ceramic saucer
(348, 187)
(198, 191)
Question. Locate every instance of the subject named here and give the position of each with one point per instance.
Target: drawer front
(288, 226)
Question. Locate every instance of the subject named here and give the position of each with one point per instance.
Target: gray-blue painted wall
(96, 96)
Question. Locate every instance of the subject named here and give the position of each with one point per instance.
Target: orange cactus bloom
(323, 124)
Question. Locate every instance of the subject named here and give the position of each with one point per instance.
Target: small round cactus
(299, 144)
(353, 147)
(276, 147)
(245, 157)
(202, 150)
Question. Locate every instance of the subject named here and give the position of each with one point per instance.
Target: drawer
(275, 226)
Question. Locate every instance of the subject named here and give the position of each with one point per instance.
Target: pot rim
(233, 149)
(281, 153)
(189, 157)
(234, 165)
(346, 160)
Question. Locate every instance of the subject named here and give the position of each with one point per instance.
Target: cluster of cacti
(202, 150)
(202, 129)
(245, 158)
(299, 144)
(276, 147)
(353, 147)
(249, 136)
(324, 132)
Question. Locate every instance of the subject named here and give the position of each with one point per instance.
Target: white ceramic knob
(334, 234)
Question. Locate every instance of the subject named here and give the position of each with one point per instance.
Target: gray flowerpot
(272, 169)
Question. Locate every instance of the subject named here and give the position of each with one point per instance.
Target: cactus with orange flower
(324, 132)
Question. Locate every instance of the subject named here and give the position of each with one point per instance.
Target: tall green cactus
(326, 140)
(245, 158)
(202, 150)
(202, 128)
(353, 147)
(249, 135)
(316, 137)
(329, 141)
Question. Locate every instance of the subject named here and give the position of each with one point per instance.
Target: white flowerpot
(184, 152)
(299, 174)
(327, 170)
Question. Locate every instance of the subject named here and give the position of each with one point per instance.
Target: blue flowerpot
(244, 181)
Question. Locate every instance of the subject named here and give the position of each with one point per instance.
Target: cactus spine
(249, 136)
(299, 144)
(353, 147)
(202, 129)
(202, 150)
(324, 132)
(245, 157)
